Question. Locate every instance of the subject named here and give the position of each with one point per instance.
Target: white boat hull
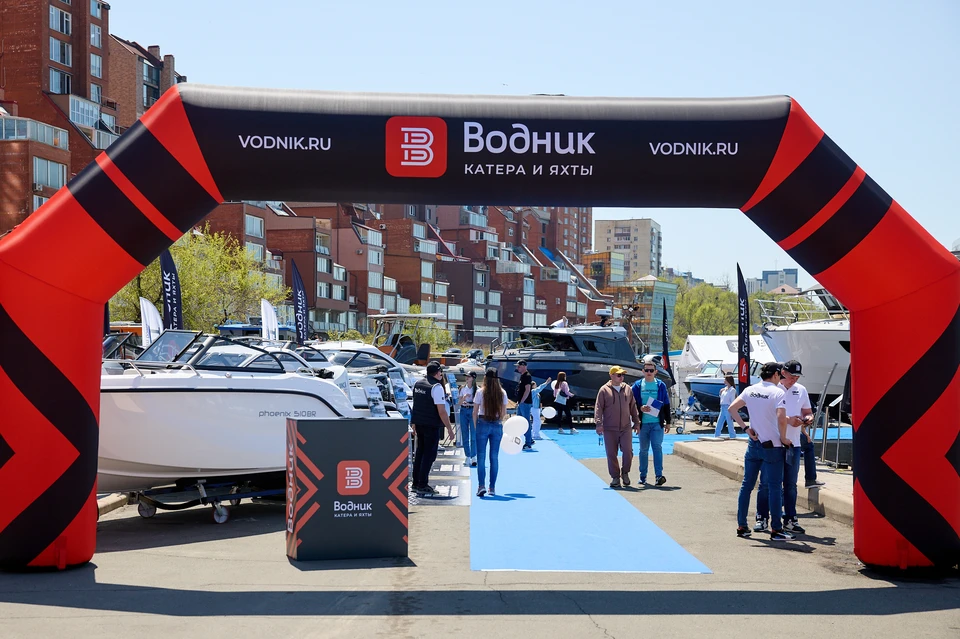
(816, 345)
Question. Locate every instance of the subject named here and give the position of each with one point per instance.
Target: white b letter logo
(417, 143)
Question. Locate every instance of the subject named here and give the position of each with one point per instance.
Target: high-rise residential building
(138, 77)
(771, 280)
(638, 240)
(53, 72)
(569, 230)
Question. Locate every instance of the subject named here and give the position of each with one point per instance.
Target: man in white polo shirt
(799, 414)
(766, 403)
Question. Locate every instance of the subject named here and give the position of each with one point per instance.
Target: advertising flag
(665, 359)
(743, 334)
(269, 329)
(299, 305)
(151, 323)
(172, 300)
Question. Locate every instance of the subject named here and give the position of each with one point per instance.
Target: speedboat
(195, 406)
(706, 385)
(585, 353)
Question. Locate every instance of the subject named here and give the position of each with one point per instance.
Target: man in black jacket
(430, 415)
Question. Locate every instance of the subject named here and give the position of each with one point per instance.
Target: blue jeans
(725, 419)
(488, 433)
(752, 462)
(525, 410)
(809, 459)
(772, 470)
(468, 432)
(791, 471)
(651, 435)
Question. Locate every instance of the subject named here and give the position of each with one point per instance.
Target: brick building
(138, 77)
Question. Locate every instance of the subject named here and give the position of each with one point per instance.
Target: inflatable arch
(199, 146)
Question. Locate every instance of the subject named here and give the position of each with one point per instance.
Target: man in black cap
(430, 415)
(525, 401)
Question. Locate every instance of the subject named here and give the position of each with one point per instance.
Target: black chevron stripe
(6, 453)
(804, 192)
(38, 380)
(845, 229)
(160, 177)
(898, 502)
(117, 216)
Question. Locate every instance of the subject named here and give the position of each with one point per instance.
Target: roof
(137, 49)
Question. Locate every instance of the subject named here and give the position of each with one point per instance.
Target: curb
(110, 503)
(821, 500)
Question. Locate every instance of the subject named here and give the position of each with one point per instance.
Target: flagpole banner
(665, 360)
(269, 329)
(299, 305)
(170, 285)
(151, 323)
(743, 333)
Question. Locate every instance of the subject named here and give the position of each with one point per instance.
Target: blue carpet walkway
(586, 444)
(552, 513)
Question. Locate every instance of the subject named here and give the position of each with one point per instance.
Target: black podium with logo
(346, 487)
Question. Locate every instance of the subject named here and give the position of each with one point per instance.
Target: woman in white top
(489, 411)
(562, 398)
(727, 395)
(468, 431)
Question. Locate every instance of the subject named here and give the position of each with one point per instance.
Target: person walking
(430, 416)
(525, 401)
(651, 396)
(766, 403)
(468, 431)
(489, 411)
(562, 398)
(616, 416)
(535, 411)
(727, 395)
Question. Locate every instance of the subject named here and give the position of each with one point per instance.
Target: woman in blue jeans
(727, 395)
(489, 410)
(468, 432)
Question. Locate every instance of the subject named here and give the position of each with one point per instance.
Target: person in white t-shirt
(727, 395)
(766, 403)
(799, 414)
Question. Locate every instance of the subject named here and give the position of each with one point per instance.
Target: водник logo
(416, 147)
(353, 477)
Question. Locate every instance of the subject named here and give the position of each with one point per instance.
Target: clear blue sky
(880, 77)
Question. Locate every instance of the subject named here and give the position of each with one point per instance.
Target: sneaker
(481, 491)
(625, 478)
(473, 463)
(527, 447)
(574, 431)
(615, 483)
(642, 482)
(813, 484)
(743, 531)
(427, 490)
(560, 431)
(761, 525)
(661, 480)
(491, 492)
(780, 535)
(794, 526)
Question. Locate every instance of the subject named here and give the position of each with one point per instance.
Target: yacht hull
(816, 345)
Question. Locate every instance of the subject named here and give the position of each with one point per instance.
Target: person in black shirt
(430, 415)
(525, 401)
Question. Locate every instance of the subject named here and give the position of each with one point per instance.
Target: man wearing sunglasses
(614, 412)
(651, 396)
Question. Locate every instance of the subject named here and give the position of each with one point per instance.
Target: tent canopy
(699, 349)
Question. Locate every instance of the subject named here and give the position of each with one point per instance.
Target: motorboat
(195, 406)
(585, 353)
(814, 329)
(394, 334)
(706, 384)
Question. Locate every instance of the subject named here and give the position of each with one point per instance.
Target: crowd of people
(778, 405)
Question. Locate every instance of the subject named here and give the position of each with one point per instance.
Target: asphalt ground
(179, 575)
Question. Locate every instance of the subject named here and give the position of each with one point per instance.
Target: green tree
(219, 279)
(427, 331)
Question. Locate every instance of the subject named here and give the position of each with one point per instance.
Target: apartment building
(569, 230)
(52, 72)
(639, 240)
(138, 77)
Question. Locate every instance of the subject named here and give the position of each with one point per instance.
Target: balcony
(541, 305)
(427, 247)
(454, 312)
(469, 218)
(389, 285)
(369, 236)
(103, 139)
(427, 307)
(403, 305)
(14, 128)
(513, 267)
(107, 103)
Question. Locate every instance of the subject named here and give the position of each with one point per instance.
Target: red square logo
(353, 477)
(416, 147)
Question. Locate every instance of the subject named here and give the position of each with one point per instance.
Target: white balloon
(549, 412)
(516, 425)
(511, 444)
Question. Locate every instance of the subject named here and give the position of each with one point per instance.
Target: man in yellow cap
(614, 413)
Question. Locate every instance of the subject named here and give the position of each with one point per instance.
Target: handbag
(560, 398)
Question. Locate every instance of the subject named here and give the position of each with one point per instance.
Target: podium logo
(416, 147)
(353, 477)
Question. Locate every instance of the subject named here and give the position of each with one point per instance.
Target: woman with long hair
(489, 411)
(727, 395)
(468, 431)
(562, 398)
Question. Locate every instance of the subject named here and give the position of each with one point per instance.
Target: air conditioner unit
(359, 251)
(509, 314)
(37, 187)
(383, 227)
(353, 299)
(519, 299)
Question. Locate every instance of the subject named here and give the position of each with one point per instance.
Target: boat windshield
(547, 341)
(168, 346)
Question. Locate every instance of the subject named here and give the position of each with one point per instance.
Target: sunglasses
(649, 370)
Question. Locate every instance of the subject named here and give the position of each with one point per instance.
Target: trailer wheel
(146, 510)
(220, 514)
(680, 430)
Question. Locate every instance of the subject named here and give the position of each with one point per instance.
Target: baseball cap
(472, 374)
(433, 368)
(770, 368)
(794, 368)
(522, 362)
(616, 370)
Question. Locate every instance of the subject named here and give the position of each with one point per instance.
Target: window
(61, 52)
(481, 279)
(480, 297)
(96, 94)
(38, 201)
(441, 289)
(255, 250)
(510, 232)
(323, 290)
(96, 65)
(374, 301)
(340, 292)
(426, 287)
(95, 36)
(323, 265)
(253, 225)
(339, 273)
(419, 231)
(48, 173)
(150, 95)
(375, 257)
(96, 10)
(426, 270)
(60, 21)
(493, 314)
(479, 313)
(60, 82)
(374, 279)
(151, 74)
(494, 298)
